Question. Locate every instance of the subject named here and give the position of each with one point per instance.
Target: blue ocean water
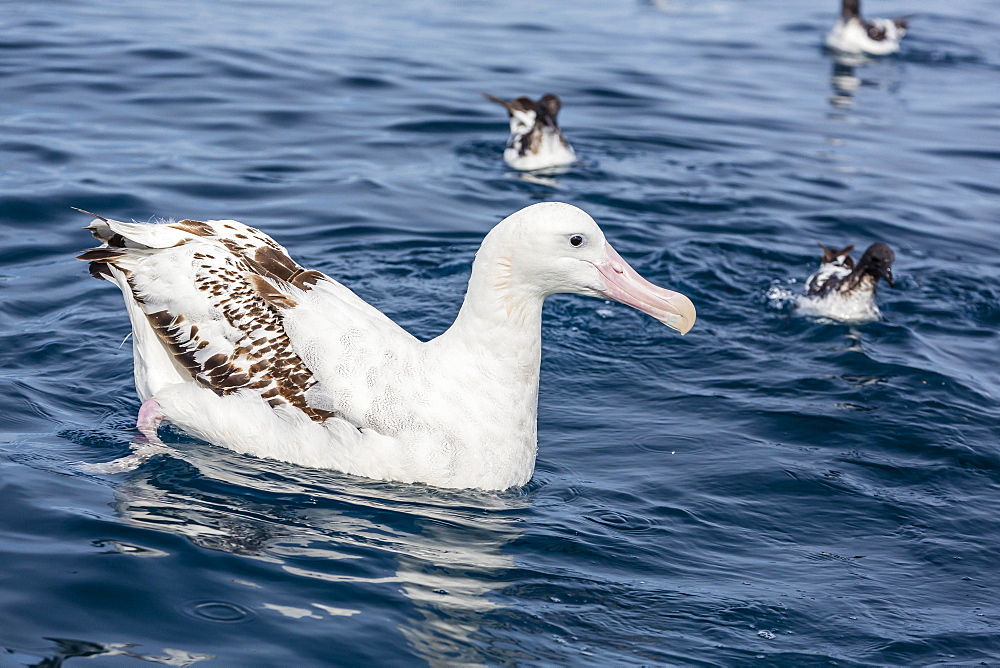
(767, 490)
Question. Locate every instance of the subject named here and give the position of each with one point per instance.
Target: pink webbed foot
(149, 419)
(143, 447)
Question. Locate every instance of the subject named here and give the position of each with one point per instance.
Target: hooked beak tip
(625, 285)
(686, 314)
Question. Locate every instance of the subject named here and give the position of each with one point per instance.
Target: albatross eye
(576, 240)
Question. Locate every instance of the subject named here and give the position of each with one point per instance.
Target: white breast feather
(857, 305)
(851, 36)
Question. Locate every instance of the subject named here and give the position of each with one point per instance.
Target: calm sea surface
(767, 490)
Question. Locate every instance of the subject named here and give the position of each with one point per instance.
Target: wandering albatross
(237, 344)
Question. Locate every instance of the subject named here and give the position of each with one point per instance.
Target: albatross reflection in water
(319, 541)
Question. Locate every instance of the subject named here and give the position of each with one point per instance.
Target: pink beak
(625, 285)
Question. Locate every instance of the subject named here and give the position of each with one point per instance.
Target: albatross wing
(209, 302)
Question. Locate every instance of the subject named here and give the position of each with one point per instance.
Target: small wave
(780, 298)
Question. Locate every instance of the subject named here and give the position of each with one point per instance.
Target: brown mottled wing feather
(214, 309)
(262, 253)
(875, 32)
(532, 143)
(831, 254)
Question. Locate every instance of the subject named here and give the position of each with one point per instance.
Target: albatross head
(552, 247)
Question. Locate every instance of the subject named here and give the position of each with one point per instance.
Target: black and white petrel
(535, 139)
(853, 34)
(843, 289)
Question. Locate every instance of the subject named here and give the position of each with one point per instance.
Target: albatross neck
(500, 317)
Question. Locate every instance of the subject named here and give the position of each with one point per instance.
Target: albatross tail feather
(117, 234)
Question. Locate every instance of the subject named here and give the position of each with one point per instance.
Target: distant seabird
(853, 34)
(844, 290)
(535, 139)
